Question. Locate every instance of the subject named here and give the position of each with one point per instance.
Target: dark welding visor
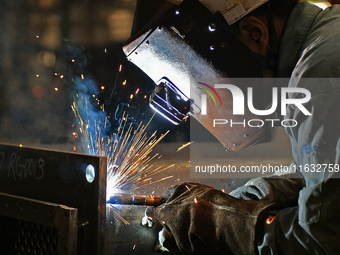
(170, 102)
(185, 46)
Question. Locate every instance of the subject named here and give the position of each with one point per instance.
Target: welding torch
(133, 199)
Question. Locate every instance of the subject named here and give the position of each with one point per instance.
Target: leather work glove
(198, 219)
(279, 189)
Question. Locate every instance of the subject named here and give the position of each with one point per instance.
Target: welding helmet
(231, 10)
(188, 48)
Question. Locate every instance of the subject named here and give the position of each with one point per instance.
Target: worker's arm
(312, 227)
(281, 189)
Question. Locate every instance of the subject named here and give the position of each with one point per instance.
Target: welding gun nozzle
(132, 199)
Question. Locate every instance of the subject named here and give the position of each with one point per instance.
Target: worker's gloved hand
(198, 219)
(283, 191)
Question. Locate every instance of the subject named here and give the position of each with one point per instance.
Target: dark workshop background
(48, 47)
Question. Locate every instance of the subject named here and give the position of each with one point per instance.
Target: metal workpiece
(40, 227)
(115, 236)
(131, 199)
(68, 179)
(42, 185)
(66, 183)
(132, 237)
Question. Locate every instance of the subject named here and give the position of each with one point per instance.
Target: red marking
(214, 90)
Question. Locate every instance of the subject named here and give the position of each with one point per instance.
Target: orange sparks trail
(127, 151)
(184, 146)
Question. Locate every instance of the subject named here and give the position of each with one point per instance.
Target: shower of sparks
(127, 151)
(116, 214)
(184, 146)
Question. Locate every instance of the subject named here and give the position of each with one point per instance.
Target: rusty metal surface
(59, 177)
(37, 227)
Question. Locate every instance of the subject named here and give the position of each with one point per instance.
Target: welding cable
(133, 199)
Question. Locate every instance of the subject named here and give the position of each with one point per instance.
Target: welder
(276, 214)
